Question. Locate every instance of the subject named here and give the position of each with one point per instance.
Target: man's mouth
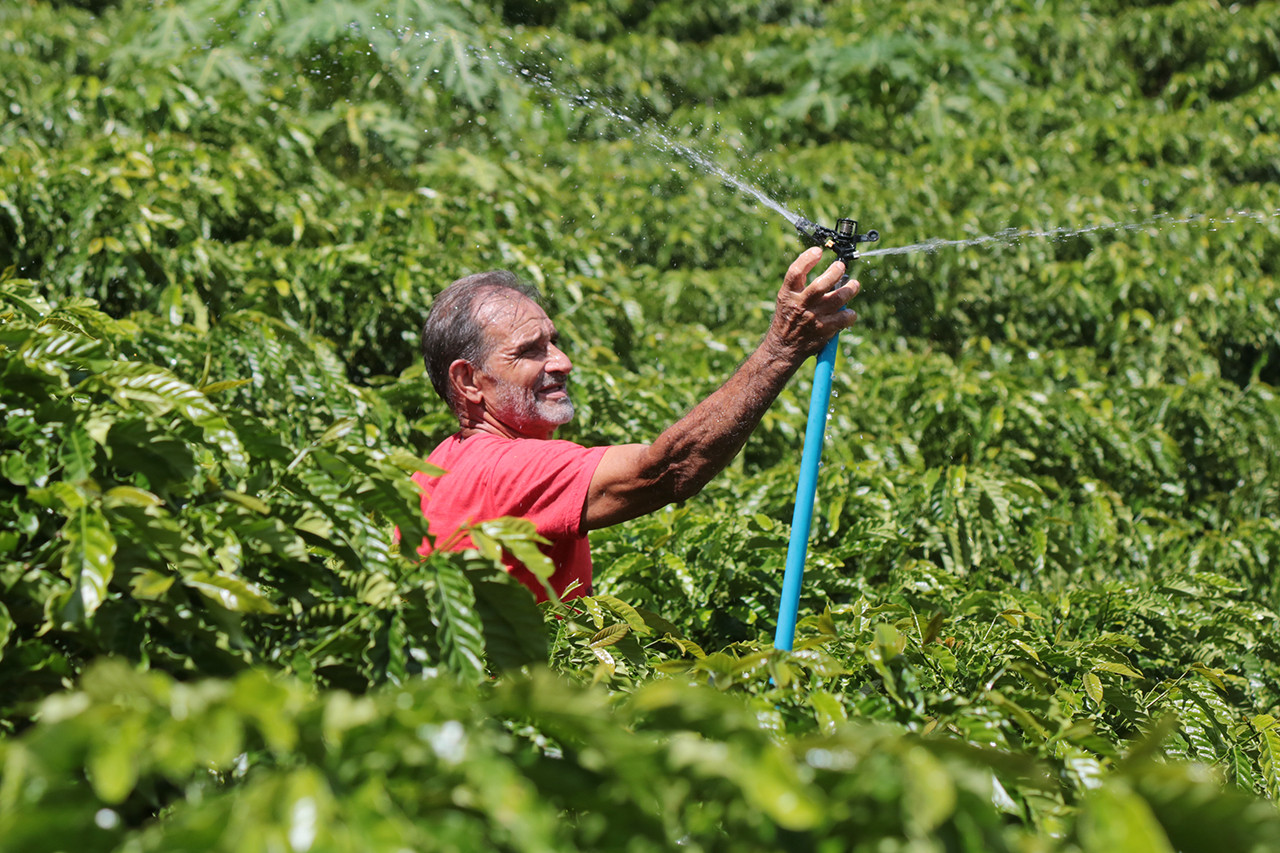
(554, 389)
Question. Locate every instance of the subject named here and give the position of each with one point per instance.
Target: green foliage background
(1040, 604)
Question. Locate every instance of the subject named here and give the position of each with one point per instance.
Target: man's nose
(558, 362)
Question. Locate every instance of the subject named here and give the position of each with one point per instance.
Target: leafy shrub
(1041, 574)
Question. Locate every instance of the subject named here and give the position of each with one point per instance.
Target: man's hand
(809, 314)
(634, 479)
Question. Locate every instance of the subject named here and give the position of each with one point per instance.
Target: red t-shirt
(488, 476)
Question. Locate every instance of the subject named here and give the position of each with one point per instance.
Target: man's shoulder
(494, 448)
(462, 443)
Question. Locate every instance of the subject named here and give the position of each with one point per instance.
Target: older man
(492, 354)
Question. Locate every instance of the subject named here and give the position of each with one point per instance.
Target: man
(491, 353)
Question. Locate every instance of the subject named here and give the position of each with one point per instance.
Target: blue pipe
(802, 518)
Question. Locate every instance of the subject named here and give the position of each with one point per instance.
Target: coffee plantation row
(1040, 605)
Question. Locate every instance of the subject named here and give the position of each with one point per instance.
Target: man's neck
(499, 429)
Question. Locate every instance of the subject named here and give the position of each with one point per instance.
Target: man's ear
(462, 379)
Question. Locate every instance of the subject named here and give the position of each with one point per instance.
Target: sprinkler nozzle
(843, 239)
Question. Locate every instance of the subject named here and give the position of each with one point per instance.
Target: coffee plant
(1040, 605)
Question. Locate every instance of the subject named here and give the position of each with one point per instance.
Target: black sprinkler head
(843, 239)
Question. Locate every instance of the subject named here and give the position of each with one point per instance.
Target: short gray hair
(452, 330)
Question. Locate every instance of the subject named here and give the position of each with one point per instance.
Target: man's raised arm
(634, 479)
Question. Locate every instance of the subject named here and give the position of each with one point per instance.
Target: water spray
(843, 240)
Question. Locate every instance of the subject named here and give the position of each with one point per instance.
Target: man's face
(524, 377)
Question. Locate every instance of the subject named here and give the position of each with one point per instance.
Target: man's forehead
(505, 312)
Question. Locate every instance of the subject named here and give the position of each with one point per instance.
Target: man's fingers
(798, 273)
(843, 293)
(846, 318)
(824, 296)
(829, 277)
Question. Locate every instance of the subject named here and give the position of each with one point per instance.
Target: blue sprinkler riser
(806, 490)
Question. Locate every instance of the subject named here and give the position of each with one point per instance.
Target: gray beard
(519, 406)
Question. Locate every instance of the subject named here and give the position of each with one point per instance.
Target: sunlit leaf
(1117, 819)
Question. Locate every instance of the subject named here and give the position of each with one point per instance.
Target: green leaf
(233, 593)
(771, 784)
(337, 430)
(1212, 674)
(225, 385)
(77, 454)
(933, 628)
(943, 657)
(626, 613)
(1116, 668)
(148, 584)
(929, 790)
(453, 610)
(1093, 687)
(248, 501)
(1114, 819)
(828, 710)
(518, 536)
(6, 628)
(889, 642)
(514, 634)
(88, 561)
(114, 763)
(608, 636)
(819, 662)
(133, 496)
(1269, 751)
(158, 391)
